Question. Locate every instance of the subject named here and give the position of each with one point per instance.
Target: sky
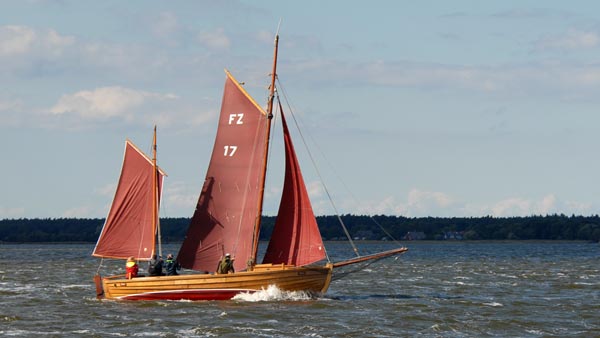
(410, 108)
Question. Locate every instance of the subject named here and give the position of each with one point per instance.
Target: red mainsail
(296, 239)
(227, 208)
(129, 230)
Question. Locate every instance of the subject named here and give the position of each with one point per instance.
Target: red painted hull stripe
(196, 294)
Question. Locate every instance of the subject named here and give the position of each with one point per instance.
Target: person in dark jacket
(155, 266)
(172, 265)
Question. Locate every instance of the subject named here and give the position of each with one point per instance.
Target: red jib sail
(128, 230)
(223, 221)
(296, 239)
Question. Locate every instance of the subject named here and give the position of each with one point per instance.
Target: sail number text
(229, 150)
(235, 119)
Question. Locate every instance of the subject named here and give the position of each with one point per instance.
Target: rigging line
(383, 229)
(100, 265)
(340, 275)
(354, 248)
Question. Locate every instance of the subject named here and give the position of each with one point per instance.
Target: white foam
(272, 293)
(465, 284)
(535, 332)
(584, 283)
(75, 286)
(494, 304)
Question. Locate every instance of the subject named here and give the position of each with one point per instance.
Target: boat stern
(99, 288)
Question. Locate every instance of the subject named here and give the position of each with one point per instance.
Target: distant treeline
(553, 227)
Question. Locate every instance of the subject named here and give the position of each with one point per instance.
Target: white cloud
(315, 189)
(427, 203)
(520, 206)
(79, 212)
(196, 118)
(215, 40)
(10, 105)
(265, 37)
(19, 40)
(54, 42)
(130, 61)
(419, 203)
(36, 52)
(512, 207)
(16, 39)
(436, 76)
(579, 208)
(534, 13)
(421, 198)
(572, 40)
(559, 80)
(180, 196)
(107, 190)
(166, 25)
(11, 212)
(547, 205)
(388, 205)
(11, 112)
(106, 102)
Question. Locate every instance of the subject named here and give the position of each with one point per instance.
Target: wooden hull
(314, 279)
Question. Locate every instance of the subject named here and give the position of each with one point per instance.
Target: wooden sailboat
(227, 219)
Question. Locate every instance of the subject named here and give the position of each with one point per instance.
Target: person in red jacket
(131, 268)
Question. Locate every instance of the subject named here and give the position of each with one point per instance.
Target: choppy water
(459, 289)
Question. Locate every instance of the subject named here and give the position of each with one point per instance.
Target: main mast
(266, 152)
(155, 220)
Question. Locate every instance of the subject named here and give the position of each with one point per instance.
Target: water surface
(436, 289)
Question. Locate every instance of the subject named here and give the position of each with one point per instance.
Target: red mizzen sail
(225, 214)
(296, 239)
(129, 229)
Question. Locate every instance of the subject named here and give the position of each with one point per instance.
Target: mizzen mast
(155, 220)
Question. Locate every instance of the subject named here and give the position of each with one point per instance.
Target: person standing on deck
(226, 265)
(131, 268)
(155, 266)
(172, 265)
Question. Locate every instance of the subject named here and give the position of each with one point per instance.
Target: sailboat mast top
(273, 77)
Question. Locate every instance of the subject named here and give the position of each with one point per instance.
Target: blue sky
(429, 108)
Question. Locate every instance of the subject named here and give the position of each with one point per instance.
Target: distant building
(363, 235)
(414, 236)
(454, 235)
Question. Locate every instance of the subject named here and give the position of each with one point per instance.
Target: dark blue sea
(436, 289)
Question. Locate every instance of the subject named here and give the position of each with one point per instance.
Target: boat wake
(273, 293)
